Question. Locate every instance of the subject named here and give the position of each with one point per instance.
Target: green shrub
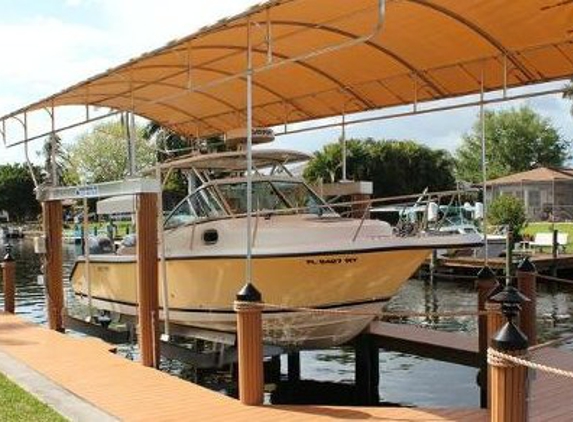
(509, 211)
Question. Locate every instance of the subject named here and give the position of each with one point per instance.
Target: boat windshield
(199, 205)
(273, 195)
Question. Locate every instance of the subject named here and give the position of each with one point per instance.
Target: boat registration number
(332, 260)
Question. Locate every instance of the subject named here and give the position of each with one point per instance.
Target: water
(404, 379)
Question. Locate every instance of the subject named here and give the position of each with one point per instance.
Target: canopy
(237, 160)
(423, 50)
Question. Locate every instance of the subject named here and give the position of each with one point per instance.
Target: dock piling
(8, 277)
(147, 278)
(367, 370)
(53, 220)
(508, 379)
(527, 284)
(293, 363)
(487, 285)
(250, 345)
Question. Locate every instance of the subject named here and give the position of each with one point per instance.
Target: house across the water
(547, 193)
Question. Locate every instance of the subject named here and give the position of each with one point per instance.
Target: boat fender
(210, 236)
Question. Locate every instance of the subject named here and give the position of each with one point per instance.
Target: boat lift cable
(86, 251)
(483, 166)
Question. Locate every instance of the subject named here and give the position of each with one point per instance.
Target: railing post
(250, 345)
(147, 278)
(8, 277)
(554, 252)
(508, 380)
(527, 284)
(487, 285)
(53, 220)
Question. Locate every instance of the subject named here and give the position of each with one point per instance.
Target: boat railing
(359, 209)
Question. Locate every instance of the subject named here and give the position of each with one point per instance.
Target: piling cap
(485, 273)
(510, 338)
(509, 295)
(526, 266)
(8, 257)
(249, 293)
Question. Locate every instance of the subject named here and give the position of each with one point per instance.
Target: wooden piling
(293, 361)
(367, 370)
(250, 345)
(527, 284)
(8, 278)
(509, 385)
(147, 278)
(53, 220)
(487, 285)
(554, 252)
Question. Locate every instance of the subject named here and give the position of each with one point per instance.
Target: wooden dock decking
(542, 261)
(129, 391)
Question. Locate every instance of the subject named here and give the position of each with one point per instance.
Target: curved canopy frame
(425, 50)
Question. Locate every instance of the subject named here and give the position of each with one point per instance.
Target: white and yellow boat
(304, 255)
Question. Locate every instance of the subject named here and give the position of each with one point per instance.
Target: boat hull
(202, 290)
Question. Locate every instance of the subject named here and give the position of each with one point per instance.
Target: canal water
(404, 379)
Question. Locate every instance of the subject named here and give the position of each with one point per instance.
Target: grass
(544, 227)
(18, 405)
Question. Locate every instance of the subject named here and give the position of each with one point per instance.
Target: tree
(516, 140)
(508, 211)
(17, 192)
(54, 142)
(101, 155)
(395, 167)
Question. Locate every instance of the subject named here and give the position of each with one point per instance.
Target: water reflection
(403, 378)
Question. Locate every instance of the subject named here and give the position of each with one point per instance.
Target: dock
(127, 390)
(544, 263)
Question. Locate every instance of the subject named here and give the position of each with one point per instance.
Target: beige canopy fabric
(425, 50)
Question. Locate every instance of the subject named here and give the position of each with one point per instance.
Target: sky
(47, 45)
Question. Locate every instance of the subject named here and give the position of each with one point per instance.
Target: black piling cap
(485, 274)
(249, 293)
(509, 295)
(510, 338)
(8, 257)
(526, 266)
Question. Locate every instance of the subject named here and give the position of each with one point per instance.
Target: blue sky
(48, 45)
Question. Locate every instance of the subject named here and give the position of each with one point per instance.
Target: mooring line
(372, 314)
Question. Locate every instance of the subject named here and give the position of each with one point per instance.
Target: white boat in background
(304, 255)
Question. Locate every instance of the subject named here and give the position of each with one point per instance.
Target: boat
(305, 255)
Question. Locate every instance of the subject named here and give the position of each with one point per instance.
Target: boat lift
(266, 30)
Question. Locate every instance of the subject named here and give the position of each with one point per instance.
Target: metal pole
(161, 235)
(132, 159)
(483, 168)
(86, 239)
(343, 140)
(249, 263)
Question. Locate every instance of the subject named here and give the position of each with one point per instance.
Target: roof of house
(540, 174)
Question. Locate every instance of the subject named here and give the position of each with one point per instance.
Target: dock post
(8, 278)
(367, 370)
(250, 345)
(527, 284)
(509, 380)
(147, 278)
(554, 252)
(293, 361)
(53, 220)
(487, 285)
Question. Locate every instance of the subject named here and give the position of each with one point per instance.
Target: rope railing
(405, 314)
(497, 358)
